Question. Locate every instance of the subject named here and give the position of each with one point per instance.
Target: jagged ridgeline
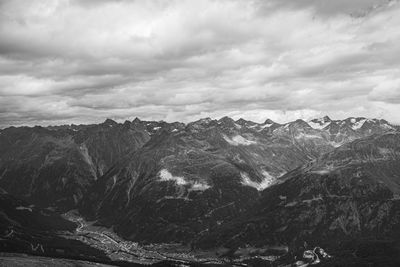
(214, 183)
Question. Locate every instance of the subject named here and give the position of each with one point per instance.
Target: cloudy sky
(71, 61)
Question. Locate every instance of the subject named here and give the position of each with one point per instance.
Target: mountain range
(220, 185)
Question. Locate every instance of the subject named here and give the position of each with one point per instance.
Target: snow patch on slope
(336, 144)
(307, 136)
(386, 126)
(319, 126)
(165, 175)
(357, 125)
(24, 208)
(268, 179)
(323, 170)
(266, 182)
(198, 186)
(248, 182)
(238, 140)
(266, 126)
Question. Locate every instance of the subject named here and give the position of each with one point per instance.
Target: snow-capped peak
(358, 124)
(320, 123)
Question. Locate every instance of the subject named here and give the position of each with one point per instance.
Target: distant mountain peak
(241, 121)
(300, 123)
(355, 119)
(203, 120)
(226, 119)
(136, 120)
(385, 122)
(228, 122)
(109, 122)
(200, 124)
(326, 118)
(269, 121)
(320, 123)
(246, 123)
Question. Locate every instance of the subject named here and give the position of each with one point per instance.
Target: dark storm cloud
(81, 61)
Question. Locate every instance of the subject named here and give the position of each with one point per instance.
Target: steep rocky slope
(159, 181)
(55, 167)
(191, 179)
(349, 194)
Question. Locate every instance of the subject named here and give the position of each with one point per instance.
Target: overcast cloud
(71, 61)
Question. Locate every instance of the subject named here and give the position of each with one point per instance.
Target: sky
(70, 61)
